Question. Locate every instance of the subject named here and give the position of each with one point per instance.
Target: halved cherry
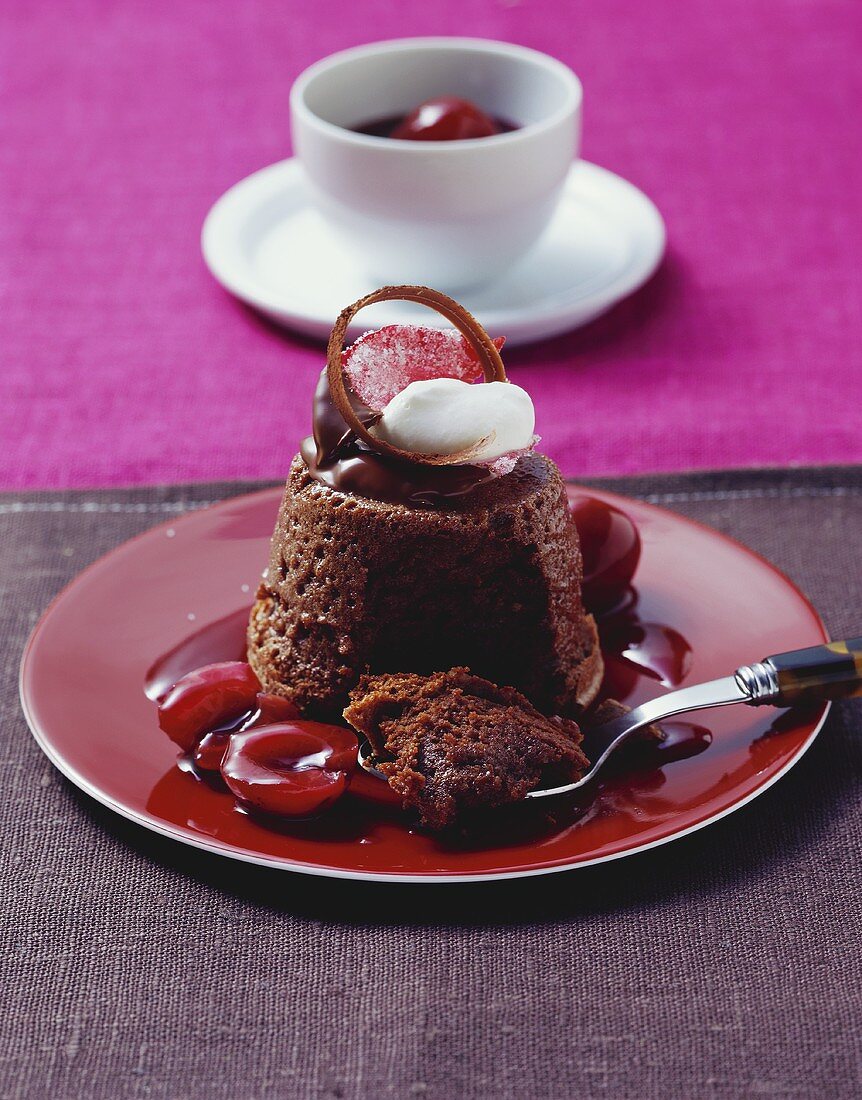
(210, 750)
(268, 709)
(205, 699)
(611, 549)
(274, 708)
(446, 118)
(292, 769)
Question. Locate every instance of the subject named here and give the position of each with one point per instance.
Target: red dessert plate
(177, 597)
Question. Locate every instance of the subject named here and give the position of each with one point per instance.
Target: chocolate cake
(384, 561)
(452, 742)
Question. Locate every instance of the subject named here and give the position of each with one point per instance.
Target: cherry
(292, 769)
(446, 119)
(274, 708)
(269, 709)
(611, 548)
(211, 749)
(205, 699)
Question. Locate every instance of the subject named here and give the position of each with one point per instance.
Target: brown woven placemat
(726, 964)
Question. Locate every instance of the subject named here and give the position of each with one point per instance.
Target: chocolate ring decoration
(454, 312)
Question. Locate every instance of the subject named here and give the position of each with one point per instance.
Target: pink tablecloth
(121, 361)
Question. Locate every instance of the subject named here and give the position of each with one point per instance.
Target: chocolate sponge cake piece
(492, 581)
(452, 742)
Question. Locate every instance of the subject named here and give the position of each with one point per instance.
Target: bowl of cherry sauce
(439, 161)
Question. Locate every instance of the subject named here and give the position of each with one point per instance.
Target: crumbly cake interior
(451, 742)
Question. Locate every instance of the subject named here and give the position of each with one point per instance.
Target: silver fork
(815, 674)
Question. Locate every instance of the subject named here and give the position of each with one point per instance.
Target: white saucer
(265, 243)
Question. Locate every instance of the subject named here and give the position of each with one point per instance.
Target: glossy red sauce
(611, 549)
(270, 759)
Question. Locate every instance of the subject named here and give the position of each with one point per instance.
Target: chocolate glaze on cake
(335, 457)
(379, 564)
(452, 742)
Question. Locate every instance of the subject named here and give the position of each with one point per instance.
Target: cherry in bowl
(446, 118)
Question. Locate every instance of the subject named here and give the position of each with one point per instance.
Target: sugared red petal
(382, 363)
(505, 463)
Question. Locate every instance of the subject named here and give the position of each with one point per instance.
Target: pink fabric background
(121, 361)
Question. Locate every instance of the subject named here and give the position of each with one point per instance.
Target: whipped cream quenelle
(446, 416)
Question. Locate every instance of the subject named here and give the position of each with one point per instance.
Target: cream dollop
(445, 415)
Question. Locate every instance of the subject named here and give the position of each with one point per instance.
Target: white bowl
(450, 214)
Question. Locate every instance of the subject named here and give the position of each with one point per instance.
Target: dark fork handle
(830, 671)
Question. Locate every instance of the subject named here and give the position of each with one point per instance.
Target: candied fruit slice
(383, 363)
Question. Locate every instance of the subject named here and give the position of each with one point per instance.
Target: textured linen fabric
(122, 362)
(723, 965)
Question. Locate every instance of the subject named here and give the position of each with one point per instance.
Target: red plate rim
(214, 846)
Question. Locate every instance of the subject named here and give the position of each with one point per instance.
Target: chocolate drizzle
(333, 437)
(337, 458)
